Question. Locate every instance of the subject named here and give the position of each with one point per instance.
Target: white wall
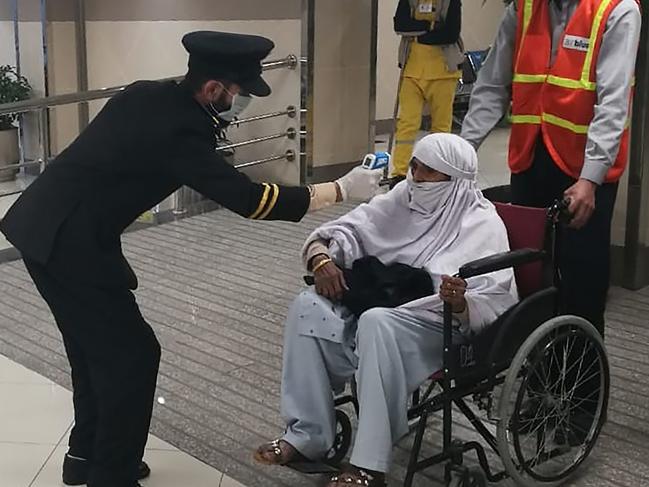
(342, 81)
(62, 77)
(7, 51)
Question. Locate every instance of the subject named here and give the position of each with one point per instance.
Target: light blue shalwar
(391, 351)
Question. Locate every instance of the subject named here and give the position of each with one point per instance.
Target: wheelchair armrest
(497, 262)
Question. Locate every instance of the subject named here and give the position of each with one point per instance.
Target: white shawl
(460, 227)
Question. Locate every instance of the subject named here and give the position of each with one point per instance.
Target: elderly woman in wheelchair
(390, 311)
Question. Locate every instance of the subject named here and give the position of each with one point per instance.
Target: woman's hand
(452, 291)
(329, 279)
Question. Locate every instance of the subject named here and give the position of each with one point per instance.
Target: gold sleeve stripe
(272, 202)
(262, 203)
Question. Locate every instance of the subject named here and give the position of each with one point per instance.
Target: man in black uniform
(146, 142)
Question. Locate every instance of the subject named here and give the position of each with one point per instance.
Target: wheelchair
(473, 61)
(540, 375)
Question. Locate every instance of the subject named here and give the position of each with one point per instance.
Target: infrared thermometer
(376, 160)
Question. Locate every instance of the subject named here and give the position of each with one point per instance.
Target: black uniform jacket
(145, 143)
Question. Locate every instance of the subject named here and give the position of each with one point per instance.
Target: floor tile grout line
(27, 443)
(49, 457)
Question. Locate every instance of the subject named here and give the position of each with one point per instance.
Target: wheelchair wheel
(553, 402)
(342, 440)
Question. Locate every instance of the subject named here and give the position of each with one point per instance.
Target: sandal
(356, 476)
(277, 452)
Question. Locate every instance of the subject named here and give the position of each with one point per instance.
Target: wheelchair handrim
(593, 432)
(546, 335)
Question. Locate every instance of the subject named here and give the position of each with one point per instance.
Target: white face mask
(426, 197)
(239, 104)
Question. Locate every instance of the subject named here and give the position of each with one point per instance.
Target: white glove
(360, 183)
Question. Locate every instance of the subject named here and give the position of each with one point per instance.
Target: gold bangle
(321, 264)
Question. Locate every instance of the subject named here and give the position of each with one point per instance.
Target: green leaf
(13, 88)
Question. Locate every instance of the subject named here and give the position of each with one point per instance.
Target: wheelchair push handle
(559, 211)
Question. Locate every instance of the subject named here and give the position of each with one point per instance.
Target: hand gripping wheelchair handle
(497, 262)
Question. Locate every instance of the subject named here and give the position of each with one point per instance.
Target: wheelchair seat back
(526, 229)
(492, 351)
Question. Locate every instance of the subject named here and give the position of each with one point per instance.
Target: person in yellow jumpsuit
(430, 59)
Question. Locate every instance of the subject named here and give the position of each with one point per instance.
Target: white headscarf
(437, 226)
(450, 155)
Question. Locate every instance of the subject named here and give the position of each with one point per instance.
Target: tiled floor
(35, 421)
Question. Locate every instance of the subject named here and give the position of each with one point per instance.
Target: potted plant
(13, 87)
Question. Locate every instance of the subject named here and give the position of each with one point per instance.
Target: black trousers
(585, 253)
(114, 357)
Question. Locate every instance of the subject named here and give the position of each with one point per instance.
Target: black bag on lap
(372, 284)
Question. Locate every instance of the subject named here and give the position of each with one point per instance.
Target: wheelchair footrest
(311, 468)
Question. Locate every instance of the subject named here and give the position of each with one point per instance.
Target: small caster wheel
(465, 477)
(475, 478)
(342, 440)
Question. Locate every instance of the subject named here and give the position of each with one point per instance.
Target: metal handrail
(43, 104)
(290, 133)
(13, 167)
(178, 207)
(289, 155)
(290, 111)
(84, 96)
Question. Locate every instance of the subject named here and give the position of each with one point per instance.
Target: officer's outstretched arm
(212, 176)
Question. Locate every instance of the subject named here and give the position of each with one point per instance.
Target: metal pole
(21, 132)
(307, 109)
(13, 167)
(66, 99)
(17, 35)
(371, 136)
(289, 134)
(634, 265)
(288, 156)
(44, 119)
(179, 202)
(82, 60)
(290, 111)
(44, 137)
(289, 62)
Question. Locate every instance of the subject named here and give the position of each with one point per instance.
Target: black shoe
(75, 471)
